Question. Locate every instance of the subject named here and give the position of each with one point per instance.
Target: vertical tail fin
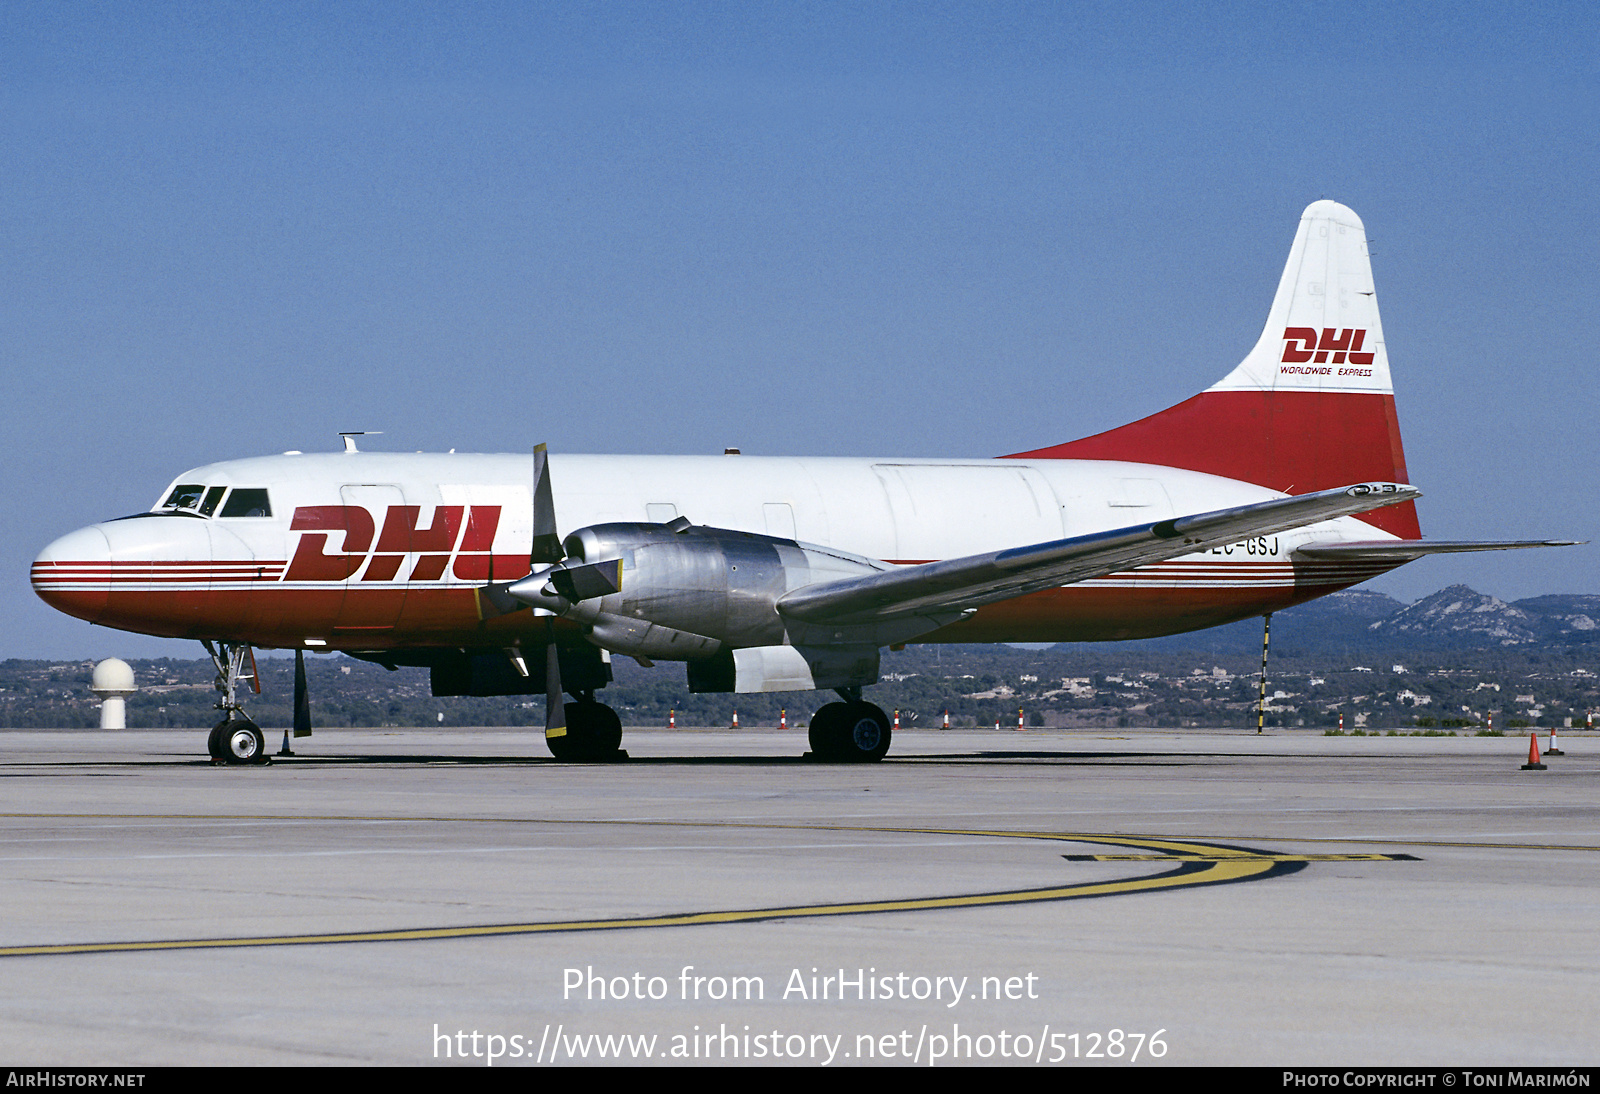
(1310, 407)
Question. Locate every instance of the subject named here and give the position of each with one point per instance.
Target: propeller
(554, 584)
(563, 581)
(545, 547)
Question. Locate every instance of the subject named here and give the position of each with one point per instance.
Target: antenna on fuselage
(351, 435)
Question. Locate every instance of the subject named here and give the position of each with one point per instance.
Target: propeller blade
(555, 707)
(582, 582)
(302, 699)
(494, 599)
(546, 542)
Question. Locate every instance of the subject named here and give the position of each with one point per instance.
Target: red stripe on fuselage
(350, 615)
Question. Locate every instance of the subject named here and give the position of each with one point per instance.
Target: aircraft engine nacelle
(687, 592)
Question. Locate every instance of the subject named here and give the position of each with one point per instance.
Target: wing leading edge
(961, 584)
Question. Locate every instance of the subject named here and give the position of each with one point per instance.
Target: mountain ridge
(1363, 620)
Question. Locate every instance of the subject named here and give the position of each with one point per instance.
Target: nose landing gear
(235, 739)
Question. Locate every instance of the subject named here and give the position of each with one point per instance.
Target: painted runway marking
(1195, 863)
(1263, 856)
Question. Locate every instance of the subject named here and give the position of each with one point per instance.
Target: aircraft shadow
(1063, 758)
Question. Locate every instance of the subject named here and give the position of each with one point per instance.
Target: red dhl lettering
(1303, 344)
(311, 562)
(471, 541)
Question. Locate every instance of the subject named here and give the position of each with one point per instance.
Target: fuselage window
(213, 496)
(247, 503)
(186, 496)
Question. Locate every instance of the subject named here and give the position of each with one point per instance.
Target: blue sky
(835, 229)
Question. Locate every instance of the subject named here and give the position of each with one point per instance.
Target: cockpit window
(248, 502)
(213, 497)
(186, 496)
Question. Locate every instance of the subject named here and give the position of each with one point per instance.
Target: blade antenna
(302, 698)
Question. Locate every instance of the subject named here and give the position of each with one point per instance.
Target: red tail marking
(1291, 441)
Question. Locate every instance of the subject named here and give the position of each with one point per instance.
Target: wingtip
(1400, 491)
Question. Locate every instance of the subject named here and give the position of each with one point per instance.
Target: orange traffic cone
(1554, 749)
(1533, 763)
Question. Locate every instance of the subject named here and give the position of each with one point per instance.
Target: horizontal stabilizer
(963, 583)
(1392, 550)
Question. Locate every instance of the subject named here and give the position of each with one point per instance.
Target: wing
(964, 583)
(1405, 550)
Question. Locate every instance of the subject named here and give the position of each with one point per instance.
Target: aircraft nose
(73, 574)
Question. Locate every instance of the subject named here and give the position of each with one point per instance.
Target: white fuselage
(333, 567)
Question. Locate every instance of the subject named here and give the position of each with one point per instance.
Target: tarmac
(1125, 897)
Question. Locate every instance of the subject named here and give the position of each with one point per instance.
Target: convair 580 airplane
(1282, 482)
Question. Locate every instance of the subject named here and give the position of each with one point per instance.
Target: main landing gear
(235, 739)
(853, 731)
(593, 733)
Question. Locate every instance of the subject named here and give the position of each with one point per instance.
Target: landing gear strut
(853, 731)
(235, 739)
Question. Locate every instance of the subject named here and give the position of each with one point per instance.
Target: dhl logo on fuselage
(469, 540)
(1303, 344)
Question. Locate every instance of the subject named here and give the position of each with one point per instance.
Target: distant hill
(1362, 621)
(1459, 617)
(1573, 617)
(1358, 654)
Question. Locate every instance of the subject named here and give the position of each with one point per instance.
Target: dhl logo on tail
(1301, 344)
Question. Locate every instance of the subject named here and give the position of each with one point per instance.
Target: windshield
(198, 500)
(186, 496)
(247, 502)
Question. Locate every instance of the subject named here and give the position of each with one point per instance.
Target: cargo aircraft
(524, 574)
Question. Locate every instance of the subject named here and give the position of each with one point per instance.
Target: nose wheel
(237, 741)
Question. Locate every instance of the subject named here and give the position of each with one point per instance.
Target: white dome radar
(113, 683)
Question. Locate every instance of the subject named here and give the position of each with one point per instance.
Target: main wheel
(865, 736)
(850, 733)
(242, 742)
(594, 733)
(826, 731)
